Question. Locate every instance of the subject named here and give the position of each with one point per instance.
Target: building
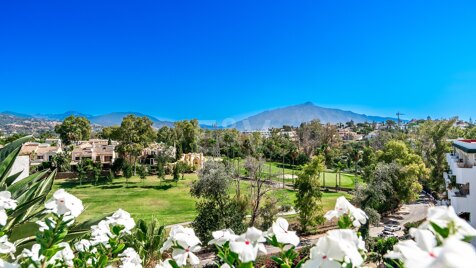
(40, 152)
(193, 159)
(154, 150)
(20, 165)
(347, 134)
(95, 149)
(461, 179)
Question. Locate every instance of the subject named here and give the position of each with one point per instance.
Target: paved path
(408, 213)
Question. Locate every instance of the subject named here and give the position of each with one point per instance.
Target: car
(392, 222)
(386, 234)
(392, 228)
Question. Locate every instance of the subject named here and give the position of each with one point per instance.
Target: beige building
(193, 159)
(95, 149)
(40, 152)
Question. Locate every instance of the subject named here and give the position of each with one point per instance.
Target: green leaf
(443, 232)
(5, 151)
(118, 249)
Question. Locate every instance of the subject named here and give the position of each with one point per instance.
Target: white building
(461, 179)
(21, 165)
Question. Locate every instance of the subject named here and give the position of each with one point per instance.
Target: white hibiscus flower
(130, 259)
(280, 229)
(342, 207)
(6, 201)
(248, 244)
(446, 217)
(64, 203)
(5, 246)
(185, 253)
(122, 217)
(337, 247)
(222, 236)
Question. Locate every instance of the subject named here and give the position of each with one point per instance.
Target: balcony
(464, 172)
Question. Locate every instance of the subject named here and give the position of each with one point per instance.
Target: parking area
(392, 225)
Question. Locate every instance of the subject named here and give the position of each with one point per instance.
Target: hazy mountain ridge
(291, 115)
(297, 114)
(110, 119)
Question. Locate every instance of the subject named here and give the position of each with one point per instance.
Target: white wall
(21, 164)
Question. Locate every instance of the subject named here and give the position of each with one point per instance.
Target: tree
(96, 169)
(413, 168)
(187, 133)
(127, 172)
(61, 161)
(110, 133)
(160, 168)
(176, 173)
(73, 128)
(142, 172)
(431, 144)
(259, 187)
(216, 209)
(389, 187)
(82, 169)
(166, 135)
(134, 134)
(118, 165)
(308, 196)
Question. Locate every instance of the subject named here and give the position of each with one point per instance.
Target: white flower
(283, 235)
(43, 226)
(3, 217)
(185, 252)
(82, 245)
(319, 259)
(164, 264)
(178, 232)
(411, 255)
(34, 253)
(5, 264)
(336, 247)
(445, 217)
(66, 255)
(5, 246)
(64, 203)
(455, 253)
(122, 217)
(248, 244)
(130, 259)
(100, 233)
(6, 201)
(222, 236)
(343, 206)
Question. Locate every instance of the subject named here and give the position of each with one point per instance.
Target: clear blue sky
(217, 59)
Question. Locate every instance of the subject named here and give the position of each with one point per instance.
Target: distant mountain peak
(308, 103)
(296, 114)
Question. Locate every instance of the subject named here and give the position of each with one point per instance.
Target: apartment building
(461, 179)
(97, 150)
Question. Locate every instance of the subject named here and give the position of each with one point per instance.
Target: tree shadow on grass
(163, 187)
(112, 186)
(74, 184)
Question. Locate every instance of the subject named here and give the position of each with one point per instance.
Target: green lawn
(276, 171)
(167, 202)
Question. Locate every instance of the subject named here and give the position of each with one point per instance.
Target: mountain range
(110, 119)
(290, 115)
(297, 114)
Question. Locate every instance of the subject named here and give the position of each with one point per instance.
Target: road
(408, 213)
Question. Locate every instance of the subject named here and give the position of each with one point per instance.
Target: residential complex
(461, 179)
(41, 152)
(97, 150)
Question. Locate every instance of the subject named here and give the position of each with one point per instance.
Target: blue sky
(217, 59)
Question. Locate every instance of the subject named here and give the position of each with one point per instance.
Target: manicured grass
(166, 201)
(275, 169)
